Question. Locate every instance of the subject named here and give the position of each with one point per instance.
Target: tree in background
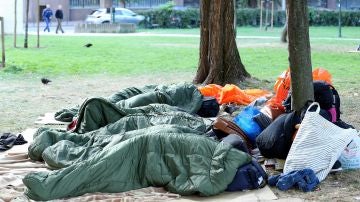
(219, 60)
(15, 22)
(299, 53)
(125, 2)
(38, 24)
(284, 33)
(26, 25)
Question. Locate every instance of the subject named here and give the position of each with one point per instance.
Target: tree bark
(219, 60)
(15, 22)
(26, 25)
(284, 33)
(299, 54)
(124, 3)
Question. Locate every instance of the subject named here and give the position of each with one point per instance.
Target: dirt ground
(23, 99)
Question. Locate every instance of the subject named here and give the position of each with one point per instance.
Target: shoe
(336, 167)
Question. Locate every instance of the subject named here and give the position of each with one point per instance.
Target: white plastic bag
(350, 157)
(317, 145)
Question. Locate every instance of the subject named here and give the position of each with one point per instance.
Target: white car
(121, 15)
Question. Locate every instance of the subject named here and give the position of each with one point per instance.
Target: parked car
(121, 15)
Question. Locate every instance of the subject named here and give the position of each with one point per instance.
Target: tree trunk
(284, 33)
(124, 3)
(15, 23)
(219, 60)
(299, 54)
(26, 24)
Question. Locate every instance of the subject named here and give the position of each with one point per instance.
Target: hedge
(167, 17)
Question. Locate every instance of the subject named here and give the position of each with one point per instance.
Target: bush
(167, 17)
(328, 17)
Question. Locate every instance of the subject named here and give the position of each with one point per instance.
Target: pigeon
(45, 81)
(88, 45)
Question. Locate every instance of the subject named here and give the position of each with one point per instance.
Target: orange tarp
(283, 84)
(232, 94)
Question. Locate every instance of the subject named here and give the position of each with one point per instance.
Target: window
(84, 3)
(117, 12)
(129, 13)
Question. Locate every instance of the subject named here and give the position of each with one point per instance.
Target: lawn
(264, 58)
(347, 32)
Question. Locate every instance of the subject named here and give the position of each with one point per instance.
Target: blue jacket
(47, 13)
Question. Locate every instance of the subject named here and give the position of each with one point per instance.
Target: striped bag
(317, 145)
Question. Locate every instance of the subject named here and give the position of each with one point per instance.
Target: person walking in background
(59, 15)
(47, 14)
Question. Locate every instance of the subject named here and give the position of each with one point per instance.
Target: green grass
(115, 55)
(333, 32)
(127, 55)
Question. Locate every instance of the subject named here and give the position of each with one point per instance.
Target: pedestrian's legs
(47, 22)
(60, 25)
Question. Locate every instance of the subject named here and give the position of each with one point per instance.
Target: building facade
(7, 10)
(74, 10)
(334, 4)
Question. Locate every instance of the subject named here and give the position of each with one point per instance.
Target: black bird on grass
(88, 45)
(45, 81)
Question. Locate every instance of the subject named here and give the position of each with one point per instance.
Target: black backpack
(325, 94)
(249, 176)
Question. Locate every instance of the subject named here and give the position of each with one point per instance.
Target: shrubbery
(167, 17)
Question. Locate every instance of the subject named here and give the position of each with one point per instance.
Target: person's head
(60, 6)
(47, 5)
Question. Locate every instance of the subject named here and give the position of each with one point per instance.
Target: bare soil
(23, 99)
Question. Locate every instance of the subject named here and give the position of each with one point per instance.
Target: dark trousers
(59, 27)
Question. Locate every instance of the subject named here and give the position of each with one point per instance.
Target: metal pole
(38, 24)
(15, 22)
(266, 14)
(261, 7)
(339, 18)
(272, 14)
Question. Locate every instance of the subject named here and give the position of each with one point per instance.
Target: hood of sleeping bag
(209, 107)
(275, 141)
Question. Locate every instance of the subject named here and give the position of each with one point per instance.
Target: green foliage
(242, 3)
(168, 17)
(329, 17)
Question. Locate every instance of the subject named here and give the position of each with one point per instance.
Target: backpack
(325, 94)
(249, 176)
